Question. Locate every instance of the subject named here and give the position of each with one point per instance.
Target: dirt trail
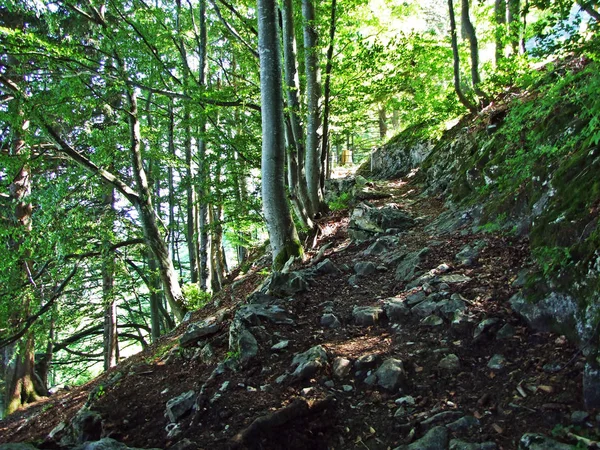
(533, 386)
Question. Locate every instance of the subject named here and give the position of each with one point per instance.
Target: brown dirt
(522, 398)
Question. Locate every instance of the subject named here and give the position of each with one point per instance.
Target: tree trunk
(217, 256)
(282, 232)
(20, 389)
(514, 24)
(500, 32)
(171, 186)
(325, 164)
(469, 30)
(382, 121)
(111, 343)
(456, 61)
(313, 96)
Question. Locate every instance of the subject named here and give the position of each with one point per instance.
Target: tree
(282, 232)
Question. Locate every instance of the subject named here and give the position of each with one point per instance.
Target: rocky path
(400, 334)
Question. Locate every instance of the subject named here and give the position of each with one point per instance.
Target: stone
(366, 362)
(184, 444)
(391, 374)
(424, 309)
(552, 367)
(451, 363)
(199, 330)
(406, 400)
(536, 441)
(497, 362)
(432, 321)
(207, 353)
(415, 298)
(308, 363)
(579, 417)
(178, 406)
(449, 307)
(347, 388)
(367, 315)
(382, 245)
(441, 418)
(467, 255)
(330, 321)
(286, 284)
(484, 327)
(281, 345)
(591, 386)
(367, 222)
(17, 446)
(326, 267)
(409, 264)
(246, 346)
(341, 367)
(456, 444)
(454, 278)
(329, 384)
(395, 309)
(261, 298)
(105, 444)
(434, 439)
(506, 332)
(364, 268)
(252, 314)
(465, 423)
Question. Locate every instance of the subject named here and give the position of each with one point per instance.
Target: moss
(292, 248)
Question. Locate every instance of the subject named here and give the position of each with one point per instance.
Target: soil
(521, 398)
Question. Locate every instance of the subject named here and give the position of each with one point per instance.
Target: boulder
(326, 267)
(424, 309)
(409, 264)
(363, 268)
(367, 222)
(367, 315)
(308, 363)
(366, 362)
(330, 321)
(395, 309)
(391, 374)
(178, 406)
(251, 314)
(286, 284)
(197, 331)
(536, 441)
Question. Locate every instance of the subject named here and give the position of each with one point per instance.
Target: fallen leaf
(372, 430)
(521, 391)
(418, 369)
(546, 389)
(497, 428)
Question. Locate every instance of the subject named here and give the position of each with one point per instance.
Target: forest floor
(536, 389)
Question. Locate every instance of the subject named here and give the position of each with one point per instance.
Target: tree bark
(469, 30)
(325, 164)
(456, 61)
(111, 343)
(500, 32)
(514, 24)
(282, 232)
(313, 96)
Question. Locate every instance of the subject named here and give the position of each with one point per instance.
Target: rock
(17, 446)
(184, 444)
(286, 284)
(579, 417)
(367, 315)
(260, 298)
(198, 330)
(552, 367)
(330, 321)
(535, 441)
(391, 374)
(381, 246)
(434, 439)
(409, 264)
(416, 298)
(456, 444)
(347, 388)
(366, 222)
(329, 384)
(281, 345)
(441, 418)
(454, 278)
(178, 406)
(341, 367)
(105, 444)
(467, 255)
(484, 327)
(460, 323)
(506, 332)
(307, 364)
(402, 412)
(424, 309)
(465, 423)
(252, 313)
(449, 307)
(325, 267)
(245, 346)
(591, 386)
(207, 354)
(497, 362)
(432, 321)
(366, 362)
(395, 309)
(450, 363)
(406, 400)
(363, 268)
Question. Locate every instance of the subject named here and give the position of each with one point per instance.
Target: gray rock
(497, 362)
(367, 315)
(252, 314)
(450, 363)
(353, 280)
(591, 386)
(506, 332)
(330, 321)
(402, 412)
(434, 439)
(416, 298)
(441, 418)
(409, 264)
(261, 298)
(453, 278)
(281, 345)
(287, 284)
(552, 367)
(449, 307)
(341, 367)
(329, 384)
(105, 444)
(425, 308)
(432, 321)
(456, 444)
(347, 388)
(207, 354)
(391, 374)
(178, 406)
(184, 444)
(245, 345)
(363, 268)
(308, 363)
(484, 327)
(199, 330)
(395, 309)
(367, 222)
(366, 362)
(464, 423)
(371, 380)
(535, 441)
(467, 255)
(406, 400)
(382, 245)
(326, 267)
(579, 417)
